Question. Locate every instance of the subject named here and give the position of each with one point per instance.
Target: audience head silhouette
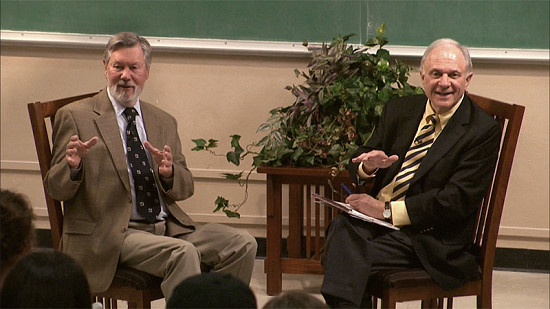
(46, 280)
(212, 290)
(295, 299)
(17, 228)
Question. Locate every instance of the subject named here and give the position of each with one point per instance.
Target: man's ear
(105, 68)
(468, 78)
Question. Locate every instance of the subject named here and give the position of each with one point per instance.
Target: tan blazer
(97, 206)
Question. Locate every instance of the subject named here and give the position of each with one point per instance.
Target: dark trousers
(355, 249)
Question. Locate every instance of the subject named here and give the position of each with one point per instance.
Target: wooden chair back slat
(38, 113)
(509, 116)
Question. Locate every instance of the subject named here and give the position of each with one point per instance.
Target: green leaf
(264, 127)
(335, 150)
(383, 65)
(380, 31)
(232, 176)
(383, 53)
(221, 203)
(212, 143)
(235, 142)
(231, 214)
(309, 161)
(372, 42)
(235, 155)
(200, 144)
(297, 154)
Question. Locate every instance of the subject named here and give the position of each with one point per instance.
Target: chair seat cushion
(137, 279)
(400, 278)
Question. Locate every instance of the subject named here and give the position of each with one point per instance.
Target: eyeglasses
(339, 193)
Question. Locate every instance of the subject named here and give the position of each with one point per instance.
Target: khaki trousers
(213, 246)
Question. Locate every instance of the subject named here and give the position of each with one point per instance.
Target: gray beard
(123, 98)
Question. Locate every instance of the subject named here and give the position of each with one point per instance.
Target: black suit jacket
(447, 189)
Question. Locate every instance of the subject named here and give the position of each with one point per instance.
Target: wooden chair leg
(484, 300)
(140, 303)
(107, 303)
(432, 303)
(388, 303)
(374, 303)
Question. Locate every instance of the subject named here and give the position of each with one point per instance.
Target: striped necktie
(422, 142)
(147, 198)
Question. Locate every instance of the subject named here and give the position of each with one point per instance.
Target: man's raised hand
(77, 149)
(162, 158)
(374, 160)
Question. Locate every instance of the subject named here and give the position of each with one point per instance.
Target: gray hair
(127, 39)
(446, 41)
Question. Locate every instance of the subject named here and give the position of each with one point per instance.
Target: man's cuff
(75, 173)
(167, 183)
(400, 216)
(361, 172)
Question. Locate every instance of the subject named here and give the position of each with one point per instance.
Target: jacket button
(124, 229)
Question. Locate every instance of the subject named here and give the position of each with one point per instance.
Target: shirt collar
(444, 117)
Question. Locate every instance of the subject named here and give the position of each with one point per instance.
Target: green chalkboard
(483, 23)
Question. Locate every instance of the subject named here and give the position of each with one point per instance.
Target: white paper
(350, 211)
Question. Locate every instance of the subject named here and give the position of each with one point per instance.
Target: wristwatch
(387, 211)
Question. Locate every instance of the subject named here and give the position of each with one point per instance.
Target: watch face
(387, 213)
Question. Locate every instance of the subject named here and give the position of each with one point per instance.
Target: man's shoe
(337, 302)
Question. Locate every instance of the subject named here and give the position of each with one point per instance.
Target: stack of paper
(350, 211)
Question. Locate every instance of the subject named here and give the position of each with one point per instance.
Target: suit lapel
(152, 127)
(450, 135)
(107, 126)
(408, 123)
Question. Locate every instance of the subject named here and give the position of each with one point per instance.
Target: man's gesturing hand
(375, 159)
(76, 150)
(162, 158)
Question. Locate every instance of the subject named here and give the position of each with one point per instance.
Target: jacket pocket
(77, 237)
(75, 226)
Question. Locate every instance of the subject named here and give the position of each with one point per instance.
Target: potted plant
(336, 110)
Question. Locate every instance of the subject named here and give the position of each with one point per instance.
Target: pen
(347, 189)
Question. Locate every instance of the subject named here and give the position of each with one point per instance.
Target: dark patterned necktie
(147, 198)
(422, 142)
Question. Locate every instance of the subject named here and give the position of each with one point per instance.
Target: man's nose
(125, 74)
(444, 81)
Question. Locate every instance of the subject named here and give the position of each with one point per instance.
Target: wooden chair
(135, 287)
(415, 284)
